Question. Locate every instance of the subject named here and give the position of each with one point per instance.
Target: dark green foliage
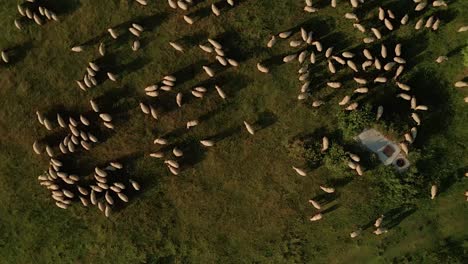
(352, 123)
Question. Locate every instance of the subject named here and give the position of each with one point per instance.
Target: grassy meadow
(239, 201)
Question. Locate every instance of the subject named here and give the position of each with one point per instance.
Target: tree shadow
(18, 52)
(395, 216)
(266, 119)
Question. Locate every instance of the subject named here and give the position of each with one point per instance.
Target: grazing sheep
(176, 46)
(300, 172)
(249, 128)
(345, 100)
(160, 141)
(316, 217)
(215, 10)
(207, 143)
(209, 71)
(191, 123)
(285, 34)
(262, 68)
(315, 204)
(433, 191)
(327, 189)
(461, 84)
(325, 144)
(352, 106)
(416, 118)
(380, 110)
(355, 234)
(380, 231)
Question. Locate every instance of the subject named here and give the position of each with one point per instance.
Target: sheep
(359, 27)
(222, 60)
(404, 96)
(404, 19)
(157, 155)
(331, 67)
(173, 170)
(109, 198)
(122, 197)
(262, 68)
(359, 170)
(403, 86)
(433, 191)
(207, 143)
(145, 109)
(380, 110)
(389, 66)
(420, 6)
(143, 3)
(220, 92)
(462, 29)
(355, 234)
(325, 144)
(352, 65)
(334, 85)
(49, 151)
(388, 24)
(408, 138)
(421, 108)
(47, 124)
(300, 172)
(77, 49)
(441, 59)
(352, 165)
(176, 46)
(4, 56)
(380, 80)
(352, 106)
(318, 46)
(328, 52)
(317, 103)
(316, 217)
(461, 84)
(295, 43)
(339, 60)
(327, 189)
(191, 124)
(368, 40)
(315, 204)
(361, 90)
(310, 9)
(414, 132)
(378, 221)
(302, 56)
(233, 62)
(37, 19)
(106, 117)
(215, 10)
(230, 2)
(160, 141)
(413, 103)
(377, 33)
(215, 44)
(135, 185)
(345, 100)
(351, 16)
(209, 71)
(312, 57)
(399, 71)
(416, 118)
(289, 58)
(380, 231)
(37, 148)
(61, 205)
(399, 60)
(419, 24)
(285, 34)
(367, 54)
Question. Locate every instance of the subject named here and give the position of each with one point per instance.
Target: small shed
(388, 151)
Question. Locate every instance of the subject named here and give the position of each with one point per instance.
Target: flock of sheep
(371, 66)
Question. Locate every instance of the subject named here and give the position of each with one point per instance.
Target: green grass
(240, 201)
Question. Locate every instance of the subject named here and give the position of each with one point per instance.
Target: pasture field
(238, 201)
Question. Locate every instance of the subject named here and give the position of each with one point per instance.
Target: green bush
(352, 123)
